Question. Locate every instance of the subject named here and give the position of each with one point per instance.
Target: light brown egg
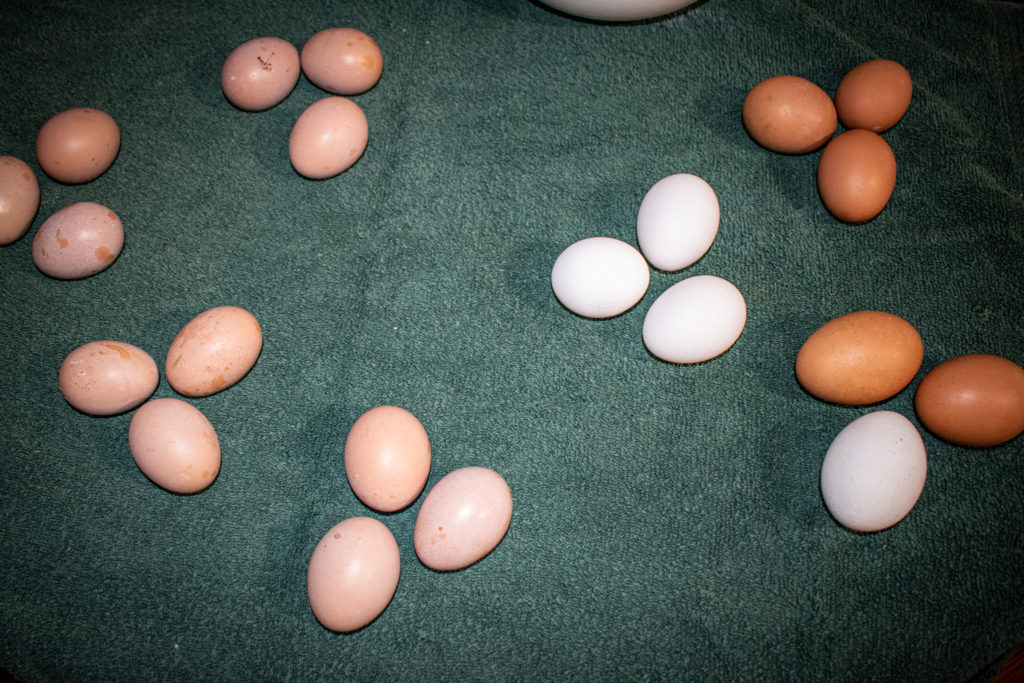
(387, 458)
(213, 351)
(174, 445)
(343, 61)
(874, 95)
(856, 175)
(328, 137)
(860, 358)
(78, 145)
(260, 73)
(78, 241)
(107, 377)
(19, 198)
(789, 114)
(973, 400)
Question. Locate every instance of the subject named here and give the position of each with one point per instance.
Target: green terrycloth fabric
(668, 523)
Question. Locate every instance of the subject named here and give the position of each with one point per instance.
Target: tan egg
(78, 241)
(78, 145)
(174, 445)
(874, 95)
(329, 136)
(789, 114)
(260, 73)
(213, 351)
(343, 61)
(107, 377)
(856, 175)
(19, 198)
(973, 400)
(387, 458)
(860, 358)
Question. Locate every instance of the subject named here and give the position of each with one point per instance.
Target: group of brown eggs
(857, 168)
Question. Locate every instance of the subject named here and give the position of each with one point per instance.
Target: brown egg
(789, 114)
(328, 137)
(387, 458)
(874, 95)
(213, 351)
(860, 358)
(343, 61)
(78, 145)
(973, 400)
(174, 445)
(107, 377)
(856, 175)
(260, 73)
(19, 198)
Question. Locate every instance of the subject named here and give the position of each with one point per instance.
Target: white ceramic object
(618, 10)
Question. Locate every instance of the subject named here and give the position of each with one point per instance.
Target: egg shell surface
(213, 351)
(387, 458)
(353, 574)
(328, 137)
(677, 221)
(860, 358)
(973, 400)
(78, 241)
(343, 61)
(789, 115)
(874, 471)
(695, 320)
(856, 175)
(617, 10)
(600, 277)
(19, 198)
(107, 377)
(174, 445)
(874, 95)
(260, 73)
(462, 519)
(78, 145)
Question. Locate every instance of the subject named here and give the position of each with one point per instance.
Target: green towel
(668, 523)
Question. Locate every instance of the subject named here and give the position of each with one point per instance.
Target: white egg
(600, 277)
(677, 221)
(695, 320)
(874, 471)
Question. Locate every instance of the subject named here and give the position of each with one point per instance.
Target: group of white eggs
(696, 319)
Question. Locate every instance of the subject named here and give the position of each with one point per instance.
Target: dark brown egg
(874, 95)
(856, 175)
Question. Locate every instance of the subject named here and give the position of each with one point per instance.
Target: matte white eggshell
(677, 221)
(600, 277)
(695, 320)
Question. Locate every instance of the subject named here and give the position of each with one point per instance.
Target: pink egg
(344, 61)
(353, 574)
(78, 241)
(387, 458)
(19, 198)
(462, 519)
(329, 136)
(213, 351)
(260, 73)
(174, 445)
(107, 377)
(78, 145)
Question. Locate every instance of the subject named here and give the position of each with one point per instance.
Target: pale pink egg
(353, 574)
(19, 198)
(78, 241)
(329, 136)
(260, 73)
(107, 377)
(387, 458)
(213, 351)
(462, 519)
(78, 145)
(344, 61)
(174, 445)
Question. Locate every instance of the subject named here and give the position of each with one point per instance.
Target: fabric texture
(668, 523)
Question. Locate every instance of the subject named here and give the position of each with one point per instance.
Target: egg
(343, 61)
(600, 277)
(213, 351)
(19, 198)
(174, 445)
(789, 114)
(695, 320)
(874, 95)
(874, 472)
(856, 175)
(107, 377)
(677, 221)
(329, 136)
(387, 458)
(860, 358)
(973, 400)
(462, 519)
(259, 73)
(78, 145)
(353, 574)
(78, 241)
(617, 10)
